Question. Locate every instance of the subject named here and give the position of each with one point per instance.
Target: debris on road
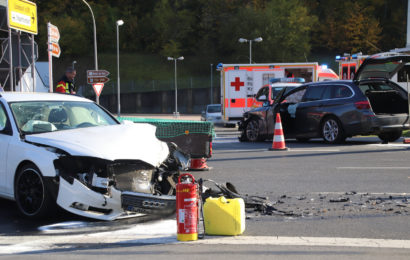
(340, 199)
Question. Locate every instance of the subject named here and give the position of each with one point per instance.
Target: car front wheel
(332, 131)
(253, 131)
(390, 136)
(30, 192)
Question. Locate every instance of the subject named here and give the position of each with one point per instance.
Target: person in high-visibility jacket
(66, 83)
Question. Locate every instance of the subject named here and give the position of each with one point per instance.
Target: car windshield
(276, 90)
(214, 109)
(49, 116)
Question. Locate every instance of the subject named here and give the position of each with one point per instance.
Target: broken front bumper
(79, 199)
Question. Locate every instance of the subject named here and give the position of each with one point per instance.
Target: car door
(309, 112)
(285, 104)
(5, 137)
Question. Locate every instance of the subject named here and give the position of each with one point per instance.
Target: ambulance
(241, 82)
(349, 64)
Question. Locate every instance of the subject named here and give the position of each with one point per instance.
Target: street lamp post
(242, 40)
(95, 42)
(119, 23)
(176, 114)
(73, 66)
(212, 84)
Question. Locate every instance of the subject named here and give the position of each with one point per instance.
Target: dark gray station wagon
(370, 104)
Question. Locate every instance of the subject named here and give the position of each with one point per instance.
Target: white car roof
(32, 96)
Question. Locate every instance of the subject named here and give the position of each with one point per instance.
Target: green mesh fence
(167, 128)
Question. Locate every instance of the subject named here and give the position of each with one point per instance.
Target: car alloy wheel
(30, 192)
(332, 131)
(252, 131)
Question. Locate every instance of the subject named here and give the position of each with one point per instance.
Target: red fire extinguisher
(187, 209)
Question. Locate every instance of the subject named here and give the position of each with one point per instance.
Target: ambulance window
(344, 72)
(352, 71)
(314, 93)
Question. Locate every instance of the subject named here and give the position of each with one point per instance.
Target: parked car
(212, 113)
(370, 104)
(64, 150)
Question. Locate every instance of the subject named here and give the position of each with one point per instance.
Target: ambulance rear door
(235, 93)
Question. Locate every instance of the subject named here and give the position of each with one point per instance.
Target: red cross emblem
(237, 84)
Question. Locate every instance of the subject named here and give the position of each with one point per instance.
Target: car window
(377, 86)
(295, 97)
(337, 92)
(48, 116)
(3, 118)
(263, 92)
(314, 93)
(275, 92)
(214, 109)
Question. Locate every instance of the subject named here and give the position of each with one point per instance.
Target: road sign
(97, 80)
(97, 73)
(98, 88)
(54, 33)
(55, 49)
(22, 15)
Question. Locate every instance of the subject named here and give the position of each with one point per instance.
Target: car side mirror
(261, 98)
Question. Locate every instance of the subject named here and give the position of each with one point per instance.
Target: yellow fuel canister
(225, 217)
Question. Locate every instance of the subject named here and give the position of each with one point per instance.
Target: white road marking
(314, 150)
(282, 152)
(362, 193)
(164, 232)
(308, 241)
(373, 168)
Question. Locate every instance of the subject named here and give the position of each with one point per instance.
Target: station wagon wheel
(30, 192)
(390, 136)
(252, 131)
(332, 131)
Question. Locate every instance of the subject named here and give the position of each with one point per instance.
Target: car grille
(148, 204)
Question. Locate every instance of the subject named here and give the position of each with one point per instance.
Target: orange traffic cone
(278, 143)
(199, 164)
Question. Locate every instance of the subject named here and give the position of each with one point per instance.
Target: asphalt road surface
(329, 201)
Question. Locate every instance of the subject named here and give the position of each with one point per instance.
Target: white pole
(50, 60)
(250, 51)
(33, 64)
(212, 94)
(95, 45)
(408, 25)
(176, 91)
(11, 62)
(19, 58)
(118, 73)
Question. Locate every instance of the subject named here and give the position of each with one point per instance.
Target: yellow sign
(22, 15)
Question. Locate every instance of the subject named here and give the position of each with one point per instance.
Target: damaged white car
(66, 150)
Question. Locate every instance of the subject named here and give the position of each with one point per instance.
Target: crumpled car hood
(114, 142)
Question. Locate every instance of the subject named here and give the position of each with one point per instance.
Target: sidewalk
(194, 117)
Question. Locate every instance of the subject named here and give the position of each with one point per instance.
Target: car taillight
(362, 105)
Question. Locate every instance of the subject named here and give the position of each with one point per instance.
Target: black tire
(332, 130)
(302, 139)
(252, 131)
(31, 194)
(390, 136)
